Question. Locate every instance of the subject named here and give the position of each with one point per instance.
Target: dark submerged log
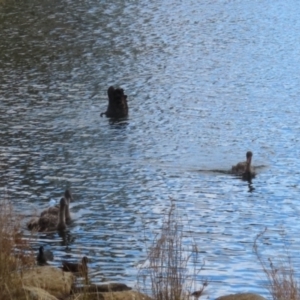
(117, 103)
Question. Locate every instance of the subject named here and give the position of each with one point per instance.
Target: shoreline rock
(242, 296)
(51, 279)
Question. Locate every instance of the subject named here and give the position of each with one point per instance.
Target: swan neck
(61, 217)
(248, 164)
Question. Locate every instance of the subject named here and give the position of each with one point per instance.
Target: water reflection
(251, 187)
(66, 238)
(119, 123)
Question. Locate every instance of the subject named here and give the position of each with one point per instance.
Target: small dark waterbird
(199, 293)
(43, 256)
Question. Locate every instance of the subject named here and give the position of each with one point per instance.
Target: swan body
(55, 209)
(117, 103)
(244, 168)
(50, 222)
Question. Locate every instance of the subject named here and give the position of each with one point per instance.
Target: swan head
(249, 157)
(84, 261)
(62, 203)
(68, 195)
(249, 154)
(41, 260)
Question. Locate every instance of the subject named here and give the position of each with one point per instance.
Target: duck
(50, 222)
(244, 168)
(55, 209)
(80, 268)
(43, 256)
(197, 294)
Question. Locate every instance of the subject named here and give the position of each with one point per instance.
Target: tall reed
(15, 253)
(171, 266)
(281, 277)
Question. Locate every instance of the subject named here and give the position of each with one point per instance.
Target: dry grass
(282, 282)
(15, 254)
(168, 265)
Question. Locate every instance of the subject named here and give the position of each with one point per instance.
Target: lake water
(206, 82)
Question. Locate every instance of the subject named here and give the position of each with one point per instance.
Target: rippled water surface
(206, 81)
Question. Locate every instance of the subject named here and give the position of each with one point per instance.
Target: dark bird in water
(244, 168)
(80, 268)
(199, 293)
(117, 103)
(50, 222)
(43, 256)
(55, 209)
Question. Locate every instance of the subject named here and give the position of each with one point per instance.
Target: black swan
(117, 103)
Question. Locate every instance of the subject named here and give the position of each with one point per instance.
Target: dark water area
(206, 82)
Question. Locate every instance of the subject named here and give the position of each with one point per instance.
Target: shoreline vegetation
(164, 275)
(282, 282)
(171, 267)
